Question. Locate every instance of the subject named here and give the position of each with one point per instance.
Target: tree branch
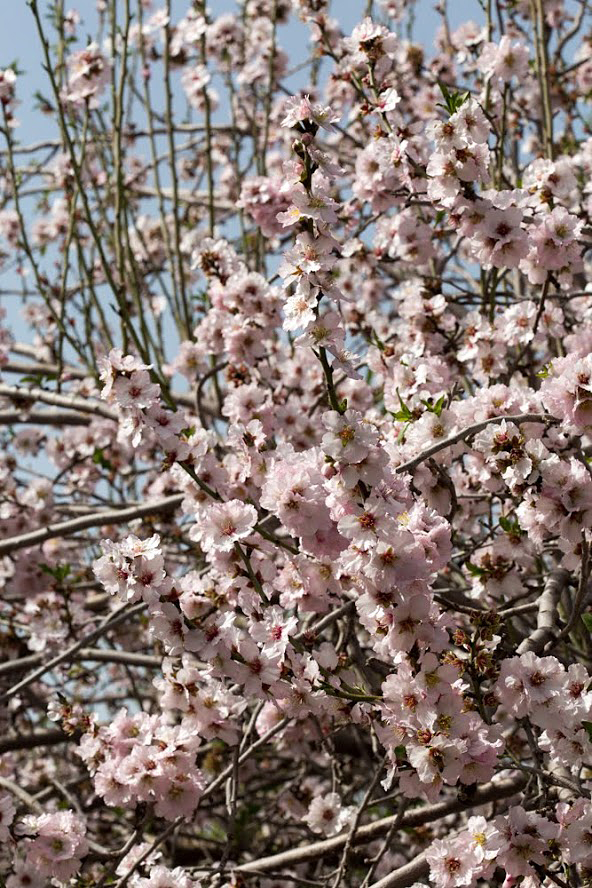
(469, 432)
(98, 519)
(488, 793)
(547, 613)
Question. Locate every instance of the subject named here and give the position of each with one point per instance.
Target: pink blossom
(451, 863)
(162, 877)
(528, 681)
(327, 815)
(88, 74)
(301, 110)
(507, 59)
(224, 524)
(58, 845)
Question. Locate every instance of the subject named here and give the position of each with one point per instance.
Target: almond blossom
(296, 429)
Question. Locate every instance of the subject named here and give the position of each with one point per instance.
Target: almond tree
(296, 487)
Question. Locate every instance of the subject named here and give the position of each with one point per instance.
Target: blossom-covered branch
(296, 427)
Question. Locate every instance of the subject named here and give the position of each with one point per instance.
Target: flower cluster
(295, 439)
(141, 759)
(54, 847)
(523, 843)
(88, 74)
(555, 699)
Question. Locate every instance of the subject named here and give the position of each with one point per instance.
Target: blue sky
(19, 42)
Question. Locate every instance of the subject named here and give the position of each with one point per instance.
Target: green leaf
(374, 337)
(587, 621)
(99, 459)
(404, 414)
(474, 569)
(37, 378)
(59, 573)
(436, 408)
(445, 93)
(588, 727)
(510, 526)
(454, 100)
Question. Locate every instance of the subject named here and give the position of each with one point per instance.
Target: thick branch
(18, 393)
(28, 368)
(52, 737)
(44, 417)
(416, 869)
(547, 613)
(89, 655)
(98, 519)
(488, 793)
(32, 368)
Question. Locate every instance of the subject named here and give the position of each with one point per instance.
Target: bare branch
(97, 519)
(489, 792)
(547, 613)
